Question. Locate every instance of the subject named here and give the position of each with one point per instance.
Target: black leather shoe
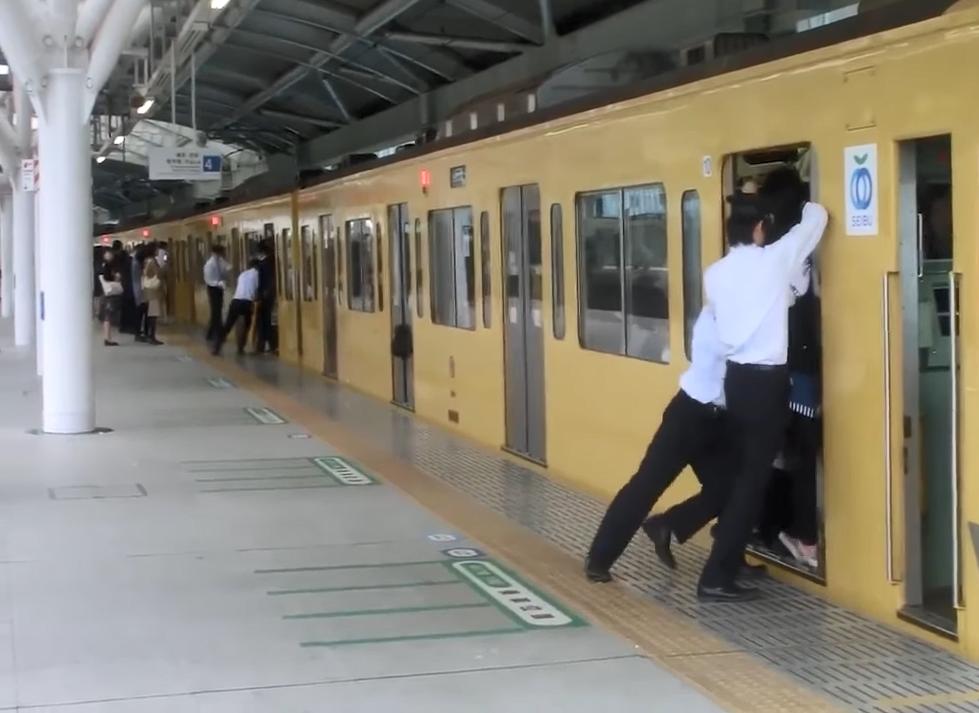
(730, 593)
(597, 574)
(661, 536)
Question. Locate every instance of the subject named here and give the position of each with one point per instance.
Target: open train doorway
(790, 530)
(930, 317)
(402, 358)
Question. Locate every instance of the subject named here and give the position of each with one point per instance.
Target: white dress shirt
(215, 270)
(750, 290)
(704, 380)
(247, 287)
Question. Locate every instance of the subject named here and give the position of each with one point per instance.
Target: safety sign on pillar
(30, 175)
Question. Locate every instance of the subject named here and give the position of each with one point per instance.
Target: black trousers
(215, 298)
(238, 309)
(265, 337)
(141, 326)
(693, 434)
(790, 501)
(757, 402)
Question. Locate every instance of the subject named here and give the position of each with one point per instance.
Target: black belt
(758, 367)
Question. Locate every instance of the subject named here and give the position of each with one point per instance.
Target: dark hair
(116, 246)
(782, 195)
(253, 264)
(746, 214)
(217, 249)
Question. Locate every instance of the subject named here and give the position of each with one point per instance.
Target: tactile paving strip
(854, 661)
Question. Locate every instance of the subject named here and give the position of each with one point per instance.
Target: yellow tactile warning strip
(733, 678)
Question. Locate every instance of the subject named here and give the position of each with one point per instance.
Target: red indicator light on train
(146, 233)
(425, 178)
(215, 220)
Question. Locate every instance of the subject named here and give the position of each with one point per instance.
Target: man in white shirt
(240, 308)
(750, 290)
(693, 432)
(216, 271)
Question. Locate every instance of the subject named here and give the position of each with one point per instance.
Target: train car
(535, 291)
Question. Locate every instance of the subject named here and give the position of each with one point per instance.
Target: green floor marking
(413, 637)
(393, 610)
(338, 567)
(266, 477)
(271, 488)
(364, 587)
(265, 416)
(343, 471)
(304, 466)
(517, 600)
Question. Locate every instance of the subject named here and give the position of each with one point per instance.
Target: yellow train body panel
(601, 409)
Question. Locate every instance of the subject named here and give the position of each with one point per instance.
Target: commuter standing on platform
(216, 271)
(241, 308)
(694, 431)
(749, 291)
(266, 339)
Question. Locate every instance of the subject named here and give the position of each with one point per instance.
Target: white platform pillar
(6, 256)
(66, 270)
(23, 202)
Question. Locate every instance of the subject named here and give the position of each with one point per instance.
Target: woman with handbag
(111, 283)
(153, 297)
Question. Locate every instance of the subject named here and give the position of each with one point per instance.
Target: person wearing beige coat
(153, 296)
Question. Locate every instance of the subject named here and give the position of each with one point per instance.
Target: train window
(557, 270)
(360, 266)
(380, 270)
(419, 270)
(693, 298)
(452, 267)
(485, 257)
(624, 307)
(306, 249)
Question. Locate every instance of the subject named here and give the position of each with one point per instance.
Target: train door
(329, 295)
(523, 314)
(930, 317)
(402, 366)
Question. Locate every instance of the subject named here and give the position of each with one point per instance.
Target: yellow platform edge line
(735, 679)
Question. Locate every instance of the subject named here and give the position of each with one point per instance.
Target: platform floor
(252, 538)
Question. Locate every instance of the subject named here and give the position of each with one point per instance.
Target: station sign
(184, 164)
(861, 187)
(30, 175)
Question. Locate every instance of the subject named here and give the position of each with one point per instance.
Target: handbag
(151, 283)
(111, 289)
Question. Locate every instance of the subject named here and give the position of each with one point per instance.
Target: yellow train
(549, 276)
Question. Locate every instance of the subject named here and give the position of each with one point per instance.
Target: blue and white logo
(860, 186)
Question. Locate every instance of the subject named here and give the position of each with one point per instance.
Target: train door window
(420, 270)
(290, 275)
(341, 292)
(380, 268)
(624, 306)
(308, 276)
(360, 265)
(235, 251)
(791, 524)
(485, 258)
(693, 289)
(452, 268)
(557, 270)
